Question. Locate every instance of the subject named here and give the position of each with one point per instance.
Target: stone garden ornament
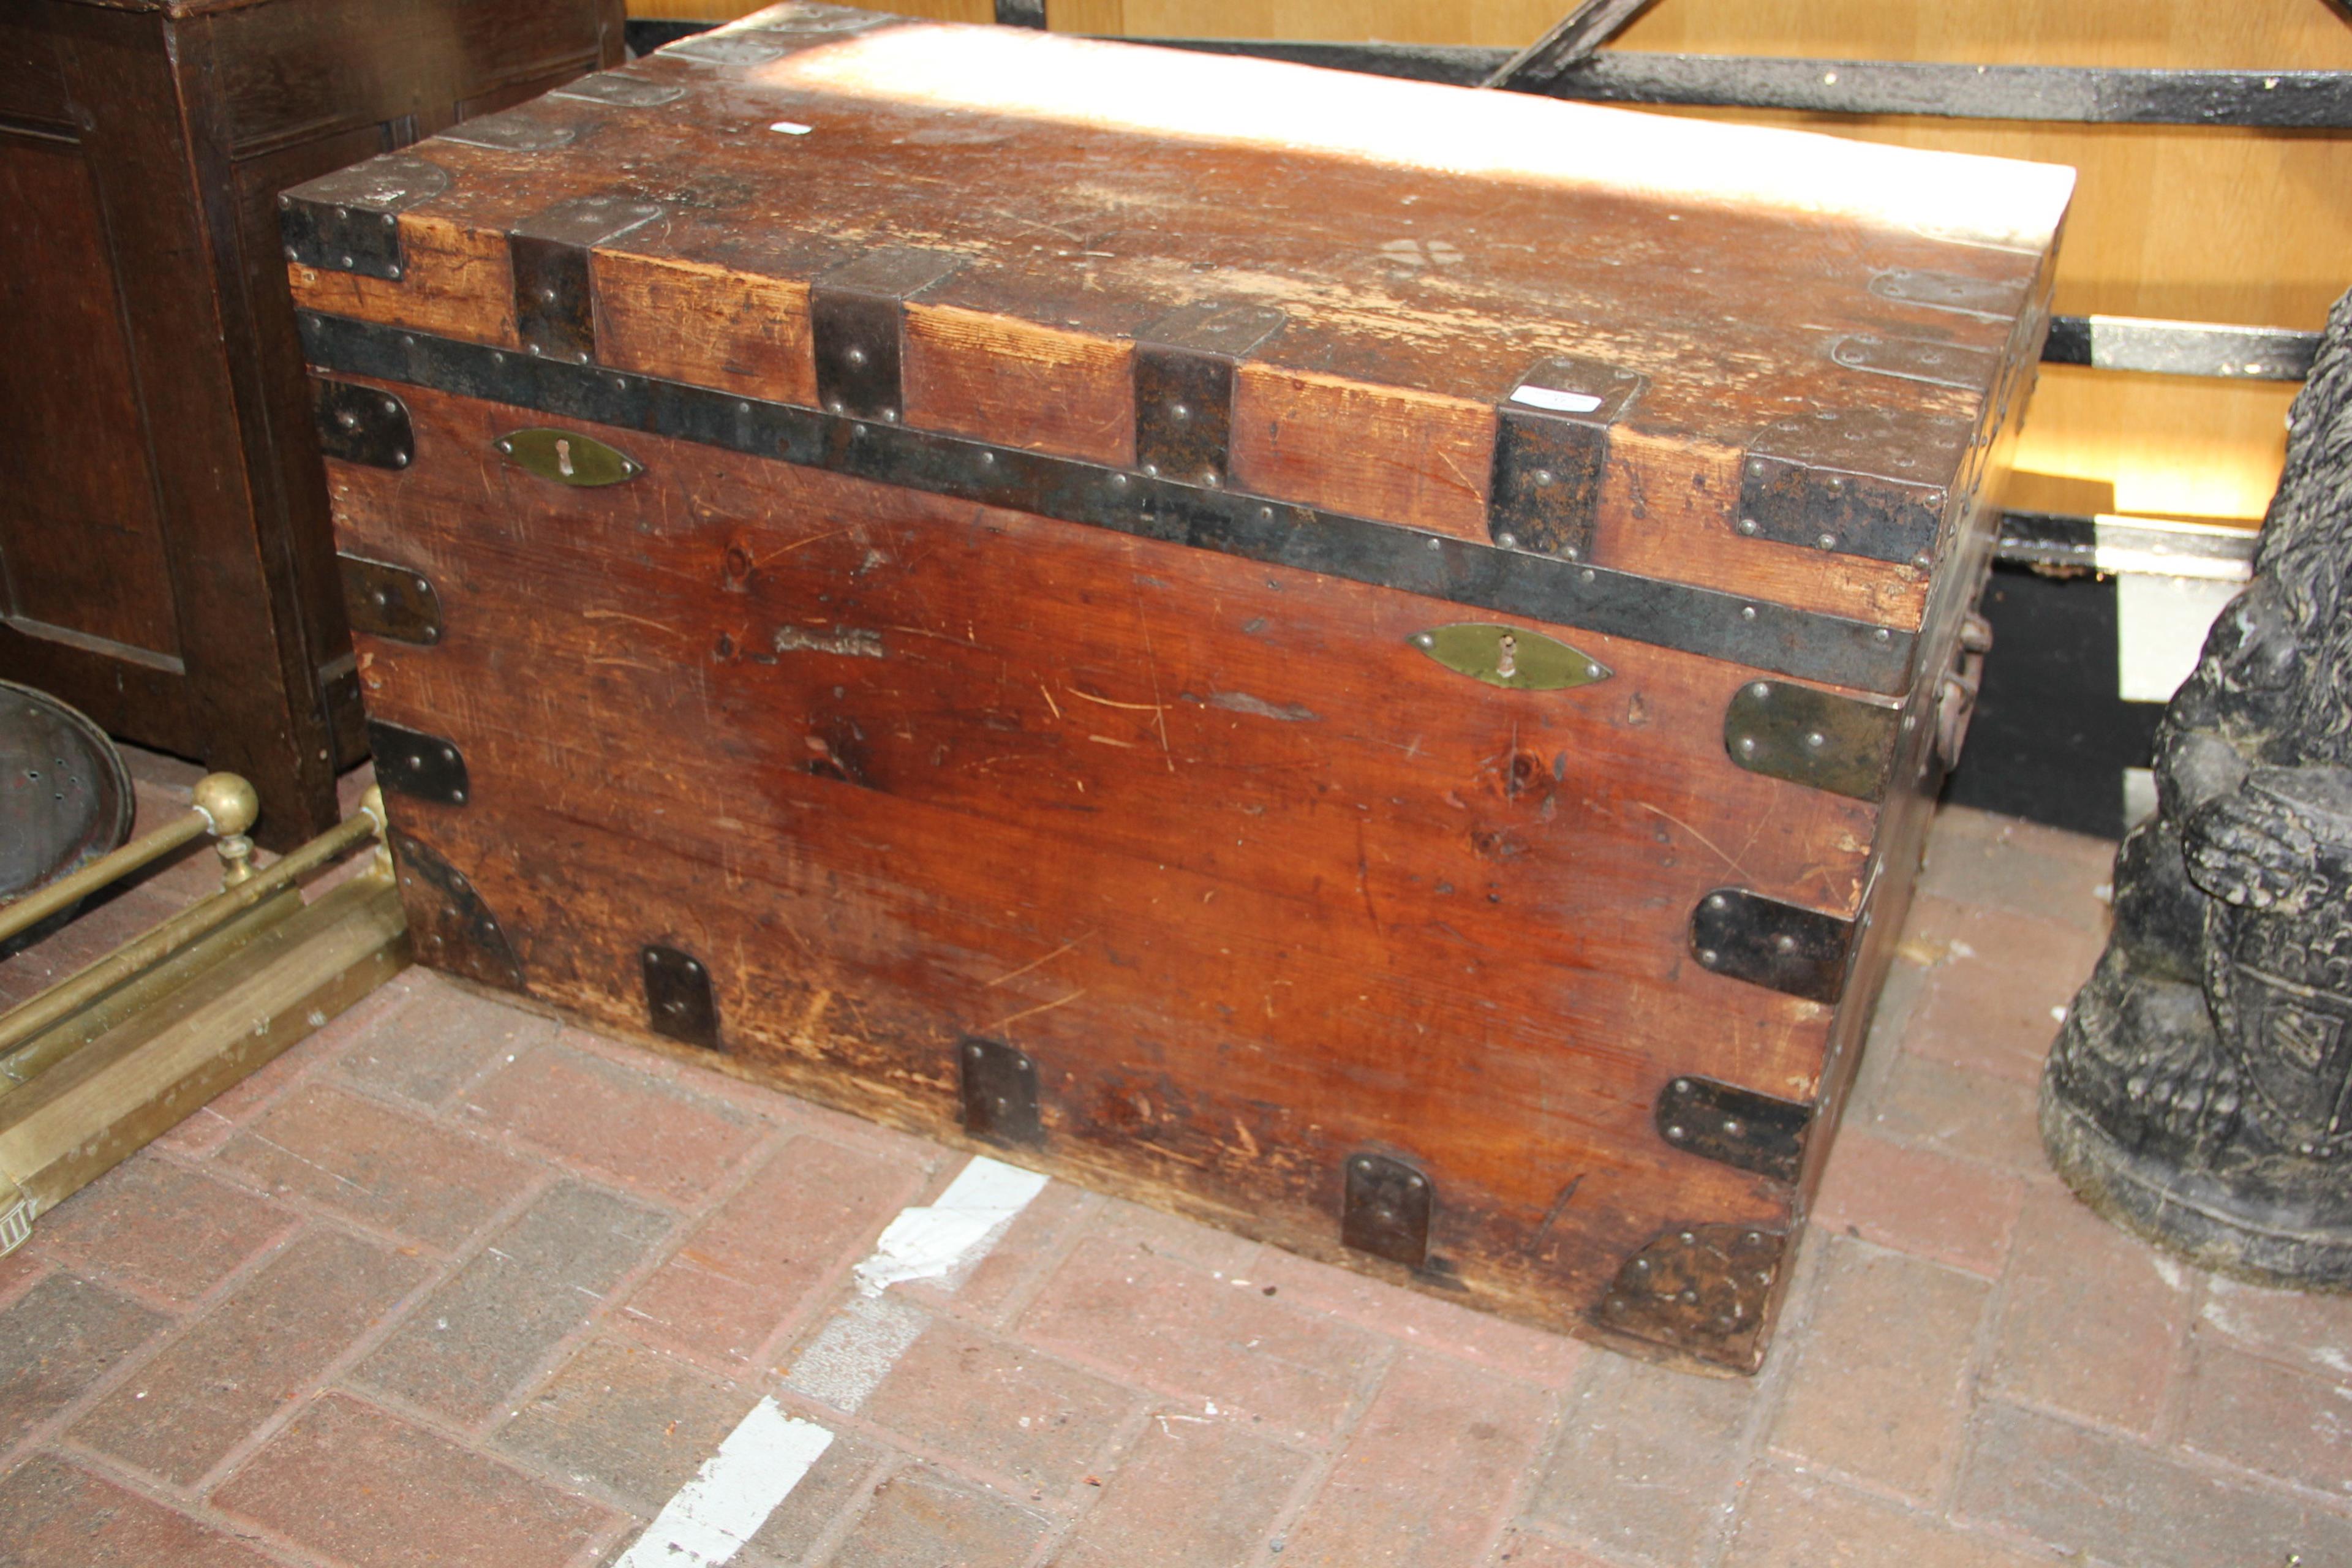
(2201, 1090)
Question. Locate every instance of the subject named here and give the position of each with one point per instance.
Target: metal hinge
(1841, 744)
(387, 601)
(999, 1084)
(680, 1005)
(1783, 947)
(413, 764)
(1551, 451)
(856, 327)
(1186, 366)
(1385, 1209)
(1736, 1126)
(449, 926)
(554, 292)
(350, 221)
(1867, 482)
(363, 424)
(1700, 1288)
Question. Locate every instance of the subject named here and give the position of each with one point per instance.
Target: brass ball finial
(227, 802)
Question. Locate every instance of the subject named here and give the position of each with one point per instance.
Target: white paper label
(1556, 401)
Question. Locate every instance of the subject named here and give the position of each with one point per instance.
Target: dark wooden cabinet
(166, 557)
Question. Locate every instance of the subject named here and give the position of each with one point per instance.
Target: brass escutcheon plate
(568, 457)
(1512, 657)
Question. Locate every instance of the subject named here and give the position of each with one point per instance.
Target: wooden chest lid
(1765, 361)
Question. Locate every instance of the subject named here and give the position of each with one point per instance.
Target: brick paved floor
(423, 1292)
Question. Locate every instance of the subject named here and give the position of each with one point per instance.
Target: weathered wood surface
(1253, 879)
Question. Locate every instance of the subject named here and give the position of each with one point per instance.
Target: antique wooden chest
(1361, 661)
(165, 563)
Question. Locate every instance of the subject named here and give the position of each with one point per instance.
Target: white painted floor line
(765, 1456)
(931, 1243)
(731, 1496)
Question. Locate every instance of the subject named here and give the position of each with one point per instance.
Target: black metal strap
(1754, 633)
(2278, 100)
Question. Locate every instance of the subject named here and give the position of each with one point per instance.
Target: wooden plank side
(1373, 451)
(1546, 1174)
(1669, 507)
(705, 326)
(459, 284)
(1017, 384)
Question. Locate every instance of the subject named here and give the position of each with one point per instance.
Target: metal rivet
(1507, 541)
(1676, 1133)
(1827, 541)
(987, 458)
(1151, 470)
(1436, 543)
(1682, 1086)
(1815, 739)
(1714, 902)
(1265, 514)
(1747, 612)
(1709, 957)
(1118, 481)
(1209, 478)
(1585, 575)
(1732, 1128)
(1415, 1183)
(1422, 639)
(458, 795)
(1179, 411)
(1542, 475)
(1882, 635)
(889, 416)
(1784, 943)
(1570, 552)
(1746, 525)
(832, 406)
(855, 356)
(1746, 745)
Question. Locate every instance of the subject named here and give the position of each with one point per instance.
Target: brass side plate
(1841, 744)
(568, 457)
(1512, 657)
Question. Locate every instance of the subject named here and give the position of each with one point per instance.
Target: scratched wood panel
(1375, 451)
(1017, 384)
(1239, 950)
(457, 282)
(705, 326)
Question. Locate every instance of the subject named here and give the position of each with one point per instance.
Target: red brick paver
(449, 1284)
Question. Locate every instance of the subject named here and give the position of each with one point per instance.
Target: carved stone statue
(2201, 1092)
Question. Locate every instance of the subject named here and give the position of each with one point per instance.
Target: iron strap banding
(1806, 643)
